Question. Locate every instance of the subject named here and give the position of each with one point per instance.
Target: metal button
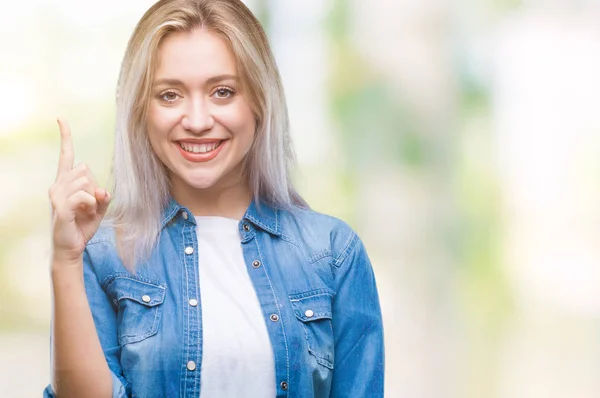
(309, 313)
(256, 263)
(189, 250)
(193, 302)
(191, 365)
(274, 317)
(146, 298)
(246, 227)
(184, 214)
(284, 385)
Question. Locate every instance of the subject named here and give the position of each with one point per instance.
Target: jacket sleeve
(105, 319)
(357, 326)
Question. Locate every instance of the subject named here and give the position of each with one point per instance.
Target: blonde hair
(140, 180)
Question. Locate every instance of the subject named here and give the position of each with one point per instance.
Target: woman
(209, 275)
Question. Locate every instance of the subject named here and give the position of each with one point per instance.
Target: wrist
(66, 256)
(64, 263)
(65, 275)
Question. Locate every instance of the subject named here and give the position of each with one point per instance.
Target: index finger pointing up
(67, 157)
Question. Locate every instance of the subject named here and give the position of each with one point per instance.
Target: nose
(197, 117)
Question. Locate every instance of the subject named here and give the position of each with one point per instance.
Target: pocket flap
(145, 293)
(312, 306)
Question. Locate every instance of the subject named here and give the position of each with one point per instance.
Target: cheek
(158, 123)
(240, 121)
(155, 116)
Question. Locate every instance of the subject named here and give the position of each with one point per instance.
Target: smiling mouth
(200, 148)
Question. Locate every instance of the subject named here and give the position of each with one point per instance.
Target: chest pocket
(313, 309)
(139, 308)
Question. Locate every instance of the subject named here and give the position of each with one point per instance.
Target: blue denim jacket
(298, 261)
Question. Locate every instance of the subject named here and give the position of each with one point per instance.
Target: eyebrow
(177, 82)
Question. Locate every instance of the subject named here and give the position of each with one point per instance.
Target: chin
(201, 183)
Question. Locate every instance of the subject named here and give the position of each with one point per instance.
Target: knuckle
(84, 171)
(80, 183)
(80, 168)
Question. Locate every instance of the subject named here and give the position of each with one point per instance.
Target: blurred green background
(459, 138)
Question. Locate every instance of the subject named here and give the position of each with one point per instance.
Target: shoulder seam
(350, 243)
(288, 239)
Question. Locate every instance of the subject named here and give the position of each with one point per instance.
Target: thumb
(103, 198)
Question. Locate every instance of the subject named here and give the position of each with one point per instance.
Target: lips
(201, 150)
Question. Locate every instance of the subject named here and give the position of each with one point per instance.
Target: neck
(230, 201)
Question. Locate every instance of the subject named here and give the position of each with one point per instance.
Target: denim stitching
(287, 354)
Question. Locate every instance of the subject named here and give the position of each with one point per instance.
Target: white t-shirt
(237, 356)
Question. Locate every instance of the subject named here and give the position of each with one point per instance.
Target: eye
(169, 96)
(223, 92)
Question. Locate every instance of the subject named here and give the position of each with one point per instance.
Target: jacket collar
(170, 210)
(264, 217)
(261, 215)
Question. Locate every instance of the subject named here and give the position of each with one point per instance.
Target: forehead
(194, 55)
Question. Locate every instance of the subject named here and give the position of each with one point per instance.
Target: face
(199, 123)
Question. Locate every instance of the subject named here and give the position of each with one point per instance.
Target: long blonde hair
(140, 180)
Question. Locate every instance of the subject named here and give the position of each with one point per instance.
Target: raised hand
(78, 204)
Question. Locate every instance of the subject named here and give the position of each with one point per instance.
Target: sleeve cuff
(118, 389)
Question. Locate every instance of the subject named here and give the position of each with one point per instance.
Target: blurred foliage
(483, 288)
(378, 129)
(375, 128)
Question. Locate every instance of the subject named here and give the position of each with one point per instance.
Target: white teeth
(199, 148)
